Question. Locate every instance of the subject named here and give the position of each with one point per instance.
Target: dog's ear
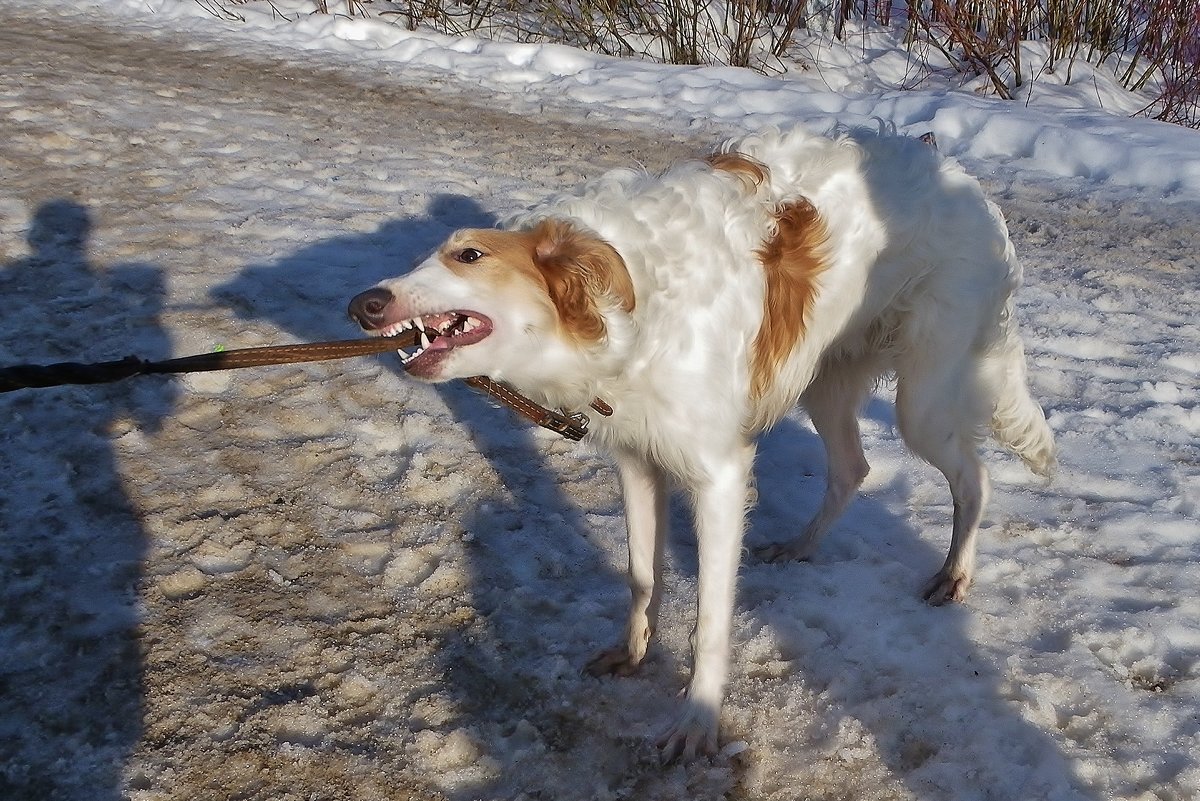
(579, 268)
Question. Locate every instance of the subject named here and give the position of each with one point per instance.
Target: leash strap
(282, 354)
(28, 376)
(571, 426)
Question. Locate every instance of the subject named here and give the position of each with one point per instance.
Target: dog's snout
(367, 308)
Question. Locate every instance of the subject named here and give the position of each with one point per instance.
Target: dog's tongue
(430, 347)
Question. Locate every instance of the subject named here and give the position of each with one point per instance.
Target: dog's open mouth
(439, 333)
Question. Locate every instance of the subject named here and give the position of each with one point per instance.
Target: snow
(1070, 123)
(328, 581)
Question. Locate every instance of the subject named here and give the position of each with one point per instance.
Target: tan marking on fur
(791, 262)
(579, 268)
(504, 252)
(571, 268)
(753, 173)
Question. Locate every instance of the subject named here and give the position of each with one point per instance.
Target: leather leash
(572, 426)
(27, 376)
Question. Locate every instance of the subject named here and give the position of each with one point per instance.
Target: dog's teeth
(406, 357)
(407, 324)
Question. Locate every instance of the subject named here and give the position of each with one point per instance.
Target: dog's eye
(468, 255)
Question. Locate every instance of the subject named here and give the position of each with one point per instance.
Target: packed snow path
(326, 581)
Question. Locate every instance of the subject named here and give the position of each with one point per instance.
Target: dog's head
(519, 306)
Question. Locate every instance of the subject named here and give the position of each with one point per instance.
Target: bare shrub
(1154, 45)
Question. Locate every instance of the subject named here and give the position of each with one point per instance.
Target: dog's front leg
(643, 485)
(720, 508)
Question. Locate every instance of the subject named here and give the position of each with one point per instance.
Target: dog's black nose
(367, 308)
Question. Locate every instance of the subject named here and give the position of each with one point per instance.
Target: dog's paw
(946, 587)
(693, 734)
(797, 550)
(615, 661)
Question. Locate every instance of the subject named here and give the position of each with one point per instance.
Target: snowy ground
(326, 581)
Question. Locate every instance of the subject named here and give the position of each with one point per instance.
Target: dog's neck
(594, 370)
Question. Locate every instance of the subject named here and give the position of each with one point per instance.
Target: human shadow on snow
(824, 616)
(71, 541)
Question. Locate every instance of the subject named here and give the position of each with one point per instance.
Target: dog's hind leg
(832, 402)
(645, 492)
(941, 417)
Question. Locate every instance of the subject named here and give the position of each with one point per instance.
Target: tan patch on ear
(791, 262)
(752, 172)
(579, 268)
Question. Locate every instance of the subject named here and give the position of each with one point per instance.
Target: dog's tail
(1018, 422)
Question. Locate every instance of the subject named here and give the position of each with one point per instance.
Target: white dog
(703, 303)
